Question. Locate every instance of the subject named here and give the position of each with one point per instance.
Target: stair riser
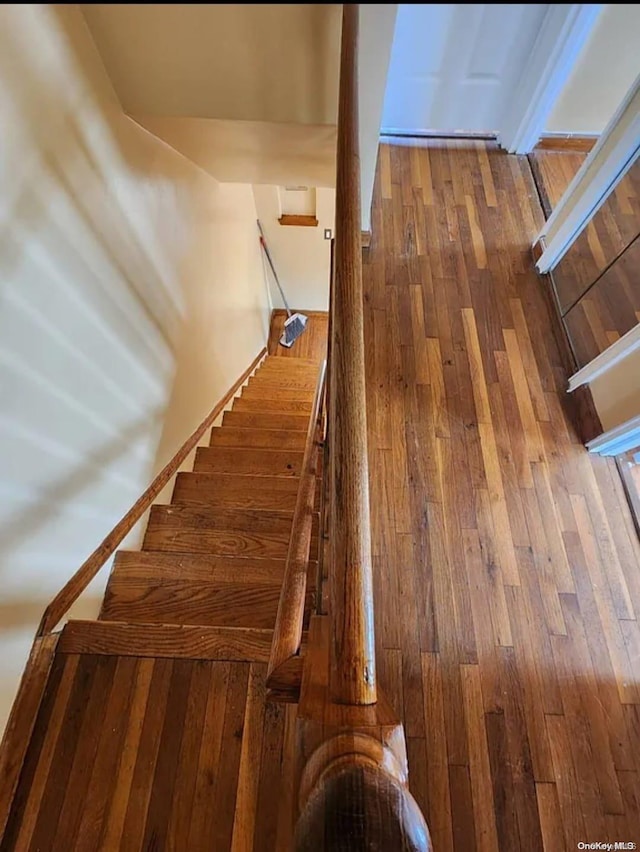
(268, 439)
(272, 406)
(229, 491)
(253, 462)
(259, 391)
(283, 382)
(196, 568)
(154, 566)
(240, 605)
(264, 420)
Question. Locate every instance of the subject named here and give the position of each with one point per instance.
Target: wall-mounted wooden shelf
(293, 219)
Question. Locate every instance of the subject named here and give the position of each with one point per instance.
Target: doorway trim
(565, 28)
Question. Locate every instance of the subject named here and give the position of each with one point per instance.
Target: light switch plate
(328, 234)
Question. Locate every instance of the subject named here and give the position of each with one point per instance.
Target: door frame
(563, 33)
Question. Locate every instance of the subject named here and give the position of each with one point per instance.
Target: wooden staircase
(154, 731)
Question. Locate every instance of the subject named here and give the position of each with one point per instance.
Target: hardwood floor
(507, 567)
(554, 169)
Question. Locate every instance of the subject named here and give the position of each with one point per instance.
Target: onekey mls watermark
(609, 847)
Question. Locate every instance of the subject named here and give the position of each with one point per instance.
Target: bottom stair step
(139, 753)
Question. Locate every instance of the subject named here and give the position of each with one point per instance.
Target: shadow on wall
(54, 496)
(120, 263)
(69, 145)
(91, 309)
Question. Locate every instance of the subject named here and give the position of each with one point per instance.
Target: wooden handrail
(353, 670)
(90, 567)
(287, 633)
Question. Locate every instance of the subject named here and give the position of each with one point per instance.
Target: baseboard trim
(417, 133)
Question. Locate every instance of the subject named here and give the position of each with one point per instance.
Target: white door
(454, 66)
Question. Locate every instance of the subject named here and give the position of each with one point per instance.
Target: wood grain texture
(505, 557)
(168, 601)
(192, 641)
(262, 420)
(257, 462)
(17, 734)
(252, 438)
(225, 532)
(90, 567)
(233, 490)
(136, 753)
(353, 673)
(298, 219)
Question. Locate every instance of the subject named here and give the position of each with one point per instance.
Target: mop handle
(263, 243)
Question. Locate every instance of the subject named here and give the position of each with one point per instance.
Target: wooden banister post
(353, 674)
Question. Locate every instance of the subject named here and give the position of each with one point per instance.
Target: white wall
(131, 296)
(377, 25)
(301, 255)
(606, 67)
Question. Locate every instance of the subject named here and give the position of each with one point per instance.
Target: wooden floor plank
(542, 520)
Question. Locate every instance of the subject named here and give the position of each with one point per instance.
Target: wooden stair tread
(265, 420)
(180, 601)
(222, 531)
(235, 490)
(283, 382)
(269, 439)
(255, 461)
(198, 567)
(282, 357)
(290, 365)
(268, 391)
(194, 642)
(284, 406)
